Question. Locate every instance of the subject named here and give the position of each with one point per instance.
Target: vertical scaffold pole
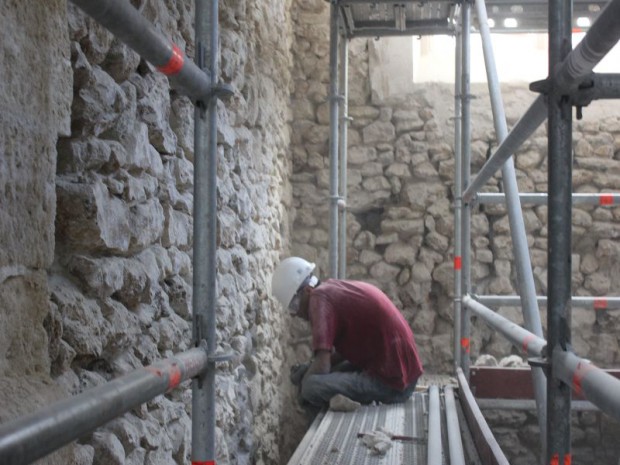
(527, 291)
(465, 179)
(559, 251)
(205, 227)
(344, 124)
(333, 141)
(458, 194)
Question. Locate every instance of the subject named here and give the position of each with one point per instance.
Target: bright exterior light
(491, 22)
(583, 22)
(510, 22)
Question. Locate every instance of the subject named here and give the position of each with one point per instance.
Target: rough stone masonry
(96, 182)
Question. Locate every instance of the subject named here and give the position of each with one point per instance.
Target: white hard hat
(288, 276)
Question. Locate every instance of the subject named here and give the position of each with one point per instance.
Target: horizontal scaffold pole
(597, 386)
(597, 303)
(31, 437)
(488, 198)
(133, 29)
(521, 338)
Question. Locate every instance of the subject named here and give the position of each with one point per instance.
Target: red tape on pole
(526, 342)
(208, 462)
(175, 376)
(606, 199)
(458, 264)
(465, 343)
(555, 460)
(567, 459)
(175, 63)
(600, 304)
(580, 373)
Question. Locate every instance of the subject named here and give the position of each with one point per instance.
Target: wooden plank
(507, 383)
(488, 449)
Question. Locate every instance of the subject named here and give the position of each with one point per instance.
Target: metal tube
(559, 251)
(343, 141)
(598, 41)
(522, 339)
(205, 245)
(596, 303)
(600, 388)
(126, 23)
(458, 195)
(488, 198)
(434, 449)
(333, 142)
(33, 436)
(525, 277)
(525, 127)
(410, 31)
(466, 174)
(455, 444)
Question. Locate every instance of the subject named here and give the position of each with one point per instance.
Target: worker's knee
(312, 390)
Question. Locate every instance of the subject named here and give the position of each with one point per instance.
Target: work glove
(297, 372)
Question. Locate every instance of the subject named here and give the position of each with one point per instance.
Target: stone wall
(96, 259)
(34, 58)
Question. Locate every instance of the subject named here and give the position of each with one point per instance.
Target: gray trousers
(319, 389)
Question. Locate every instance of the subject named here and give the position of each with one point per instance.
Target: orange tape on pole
(606, 199)
(458, 263)
(465, 343)
(555, 459)
(175, 63)
(567, 459)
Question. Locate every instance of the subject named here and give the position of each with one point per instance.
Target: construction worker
(352, 322)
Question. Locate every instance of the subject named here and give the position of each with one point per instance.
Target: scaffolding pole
(204, 296)
(458, 194)
(343, 142)
(559, 251)
(525, 277)
(333, 141)
(434, 449)
(126, 23)
(455, 443)
(601, 200)
(598, 41)
(31, 437)
(595, 303)
(465, 178)
(599, 387)
(524, 340)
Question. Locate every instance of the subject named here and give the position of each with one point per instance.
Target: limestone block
(384, 272)
(425, 170)
(500, 285)
(178, 229)
(400, 170)
(182, 124)
(400, 253)
(379, 131)
(423, 194)
(598, 283)
(84, 326)
(376, 183)
(361, 155)
(404, 228)
(444, 275)
(437, 242)
(154, 110)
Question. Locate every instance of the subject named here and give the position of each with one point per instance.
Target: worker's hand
(297, 373)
